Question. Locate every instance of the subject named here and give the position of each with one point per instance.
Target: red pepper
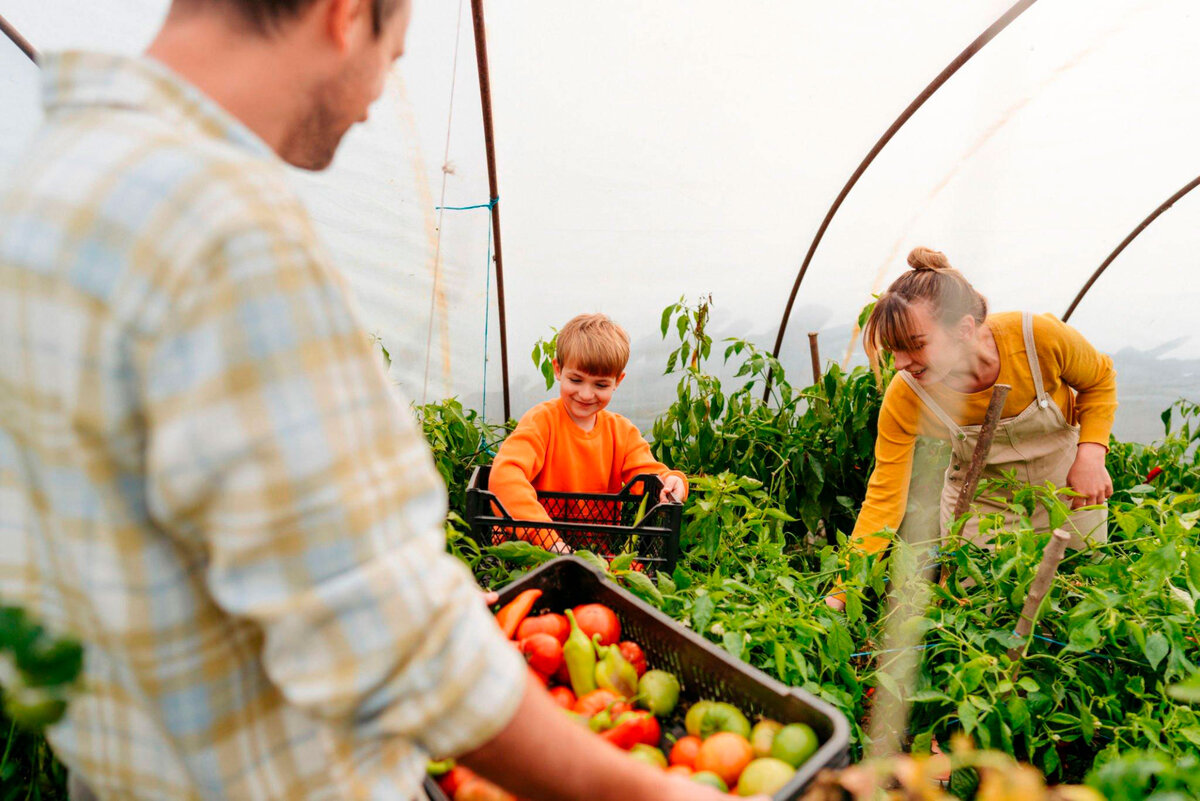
(516, 610)
(649, 731)
(624, 735)
(1154, 473)
(633, 655)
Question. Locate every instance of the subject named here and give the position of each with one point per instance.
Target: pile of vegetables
(605, 684)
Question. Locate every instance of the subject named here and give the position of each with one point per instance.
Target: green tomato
(764, 777)
(649, 754)
(794, 744)
(695, 716)
(707, 777)
(762, 735)
(724, 717)
(658, 691)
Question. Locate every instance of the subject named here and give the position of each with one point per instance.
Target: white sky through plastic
(687, 147)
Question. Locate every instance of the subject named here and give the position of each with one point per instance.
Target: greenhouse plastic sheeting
(652, 150)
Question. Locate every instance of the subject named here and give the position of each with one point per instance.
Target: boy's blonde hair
(594, 344)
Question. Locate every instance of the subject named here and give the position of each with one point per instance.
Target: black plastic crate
(704, 670)
(596, 522)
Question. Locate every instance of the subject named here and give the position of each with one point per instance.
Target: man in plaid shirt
(203, 471)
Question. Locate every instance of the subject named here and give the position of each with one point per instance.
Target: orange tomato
(680, 770)
(684, 752)
(563, 697)
(725, 754)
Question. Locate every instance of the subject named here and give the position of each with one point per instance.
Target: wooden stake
(1056, 548)
(987, 433)
(815, 352)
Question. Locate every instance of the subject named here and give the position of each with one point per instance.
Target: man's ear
(341, 16)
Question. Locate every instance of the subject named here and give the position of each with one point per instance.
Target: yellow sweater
(1080, 379)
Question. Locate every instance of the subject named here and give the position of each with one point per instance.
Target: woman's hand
(1088, 476)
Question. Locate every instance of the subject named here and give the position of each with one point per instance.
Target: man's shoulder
(133, 169)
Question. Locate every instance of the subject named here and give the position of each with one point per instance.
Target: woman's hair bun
(928, 259)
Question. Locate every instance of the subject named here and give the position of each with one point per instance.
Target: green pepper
(580, 657)
(613, 670)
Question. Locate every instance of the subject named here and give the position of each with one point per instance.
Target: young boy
(571, 443)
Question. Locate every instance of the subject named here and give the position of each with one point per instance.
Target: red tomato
(554, 625)
(599, 619)
(599, 700)
(543, 653)
(480, 789)
(563, 697)
(452, 779)
(633, 654)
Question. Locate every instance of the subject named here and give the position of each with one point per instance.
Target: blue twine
(487, 205)
(1064, 645)
(487, 318)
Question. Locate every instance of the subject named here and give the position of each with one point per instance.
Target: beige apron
(1038, 445)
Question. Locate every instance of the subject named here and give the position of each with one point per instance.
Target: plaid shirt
(205, 476)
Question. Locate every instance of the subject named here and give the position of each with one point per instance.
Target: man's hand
(1088, 476)
(542, 753)
(673, 490)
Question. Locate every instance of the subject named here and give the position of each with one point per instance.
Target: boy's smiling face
(584, 394)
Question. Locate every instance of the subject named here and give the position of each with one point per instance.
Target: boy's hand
(560, 547)
(673, 490)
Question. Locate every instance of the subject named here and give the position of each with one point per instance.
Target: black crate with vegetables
(660, 691)
(629, 521)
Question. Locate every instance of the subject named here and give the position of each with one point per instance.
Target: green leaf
(1157, 648)
(593, 560)
(1028, 685)
(838, 645)
(1087, 723)
(625, 560)
(1085, 637)
(967, 715)
(1050, 761)
(702, 612)
(853, 606)
(521, 554)
(641, 585)
(734, 642)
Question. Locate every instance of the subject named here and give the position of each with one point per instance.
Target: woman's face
(938, 351)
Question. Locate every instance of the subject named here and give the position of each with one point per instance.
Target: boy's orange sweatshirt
(549, 452)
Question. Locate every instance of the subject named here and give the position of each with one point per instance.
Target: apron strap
(1035, 366)
(932, 405)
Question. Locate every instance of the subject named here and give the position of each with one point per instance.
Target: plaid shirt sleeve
(277, 448)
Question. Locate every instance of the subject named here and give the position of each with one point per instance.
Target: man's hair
(265, 16)
(594, 344)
